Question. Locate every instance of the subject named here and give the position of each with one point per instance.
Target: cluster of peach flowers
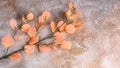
(59, 30)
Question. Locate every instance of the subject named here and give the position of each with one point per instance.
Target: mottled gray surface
(96, 45)
(45, 32)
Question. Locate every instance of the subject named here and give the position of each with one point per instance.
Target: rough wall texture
(96, 45)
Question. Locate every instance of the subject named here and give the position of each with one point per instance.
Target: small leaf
(68, 14)
(59, 37)
(46, 15)
(53, 26)
(60, 23)
(29, 49)
(13, 24)
(23, 19)
(7, 40)
(62, 28)
(54, 47)
(75, 16)
(41, 19)
(32, 31)
(25, 27)
(44, 48)
(37, 25)
(15, 56)
(70, 29)
(71, 6)
(57, 41)
(30, 16)
(19, 37)
(42, 26)
(34, 40)
(66, 45)
(78, 23)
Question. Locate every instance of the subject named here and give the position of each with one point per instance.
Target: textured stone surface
(96, 45)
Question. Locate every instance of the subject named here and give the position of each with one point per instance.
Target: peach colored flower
(30, 16)
(32, 31)
(34, 40)
(66, 45)
(15, 56)
(7, 40)
(60, 23)
(70, 29)
(29, 49)
(53, 26)
(44, 48)
(25, 27)
(62, 27)
(13, 24)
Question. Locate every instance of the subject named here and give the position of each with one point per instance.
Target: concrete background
(96, 45)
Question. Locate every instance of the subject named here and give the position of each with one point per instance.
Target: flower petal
(13, 24)
(32, 31)
(70, 29)
(7, 40)
(29, 49)
(15, 56)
